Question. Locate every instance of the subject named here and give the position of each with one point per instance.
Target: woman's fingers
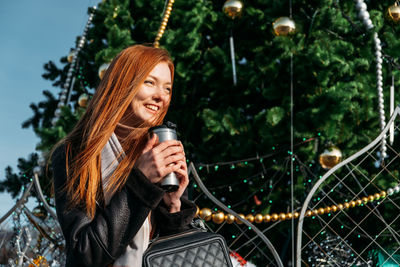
(170, 168)
(172, 150)
(184, 179)
(166, 144)
(160, 159)
(174, 159)
(181, 170)
(172, 199)
(169, 155)
(150, 143)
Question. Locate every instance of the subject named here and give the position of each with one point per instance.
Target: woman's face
(153, 96)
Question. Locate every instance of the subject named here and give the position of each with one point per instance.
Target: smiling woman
(152, 98)
(107, 169)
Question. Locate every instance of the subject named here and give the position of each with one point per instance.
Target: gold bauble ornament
(346, 205)
(283, 26)
(218, 217)
(233, 8)
(296, 215)
(309, 213)
(282, 216)
(353, 203)
(239, 221)
(340, 206)
(83, 100)
(250, 217)
(334, 208)
(102, 70)
(327, 209)
(229, 218)
(330, 157)
(289, 215)
(394, 13)
(274, 217)
(371, 198)
(267, 218)
(205, 214)
(70, 56)
(258, 218)
(383, 194)
(365, 200)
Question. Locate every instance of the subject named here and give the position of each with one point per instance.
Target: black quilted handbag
(192, 248)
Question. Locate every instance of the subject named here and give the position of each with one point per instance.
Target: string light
(246, 161)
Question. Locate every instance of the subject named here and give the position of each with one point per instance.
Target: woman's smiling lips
(152, 108)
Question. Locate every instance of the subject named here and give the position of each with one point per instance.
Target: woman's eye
(168, 89)
(149, 82)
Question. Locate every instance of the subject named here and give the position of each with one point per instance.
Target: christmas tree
(325, 71)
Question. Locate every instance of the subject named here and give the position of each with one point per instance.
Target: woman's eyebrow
(155, 78)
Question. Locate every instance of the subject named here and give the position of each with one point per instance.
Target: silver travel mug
(167, 131)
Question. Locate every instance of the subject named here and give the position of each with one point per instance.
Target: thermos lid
(167, 125)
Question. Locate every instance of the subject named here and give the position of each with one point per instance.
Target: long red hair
(112, 98)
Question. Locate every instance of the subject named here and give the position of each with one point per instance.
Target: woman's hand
(172, 199)
(159, 159)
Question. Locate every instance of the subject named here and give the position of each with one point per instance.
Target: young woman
(107, 169)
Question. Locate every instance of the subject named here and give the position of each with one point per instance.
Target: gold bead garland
(164, 23)
(237, 221)
(229, 218)
(219, 217)
(250, 218)
(205, 214)
(258, 218)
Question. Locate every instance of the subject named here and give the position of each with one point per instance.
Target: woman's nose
(159, 93)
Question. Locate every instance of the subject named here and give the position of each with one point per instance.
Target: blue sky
(32, 33)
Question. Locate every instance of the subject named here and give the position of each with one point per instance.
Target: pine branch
(353, 25)
(392, 61)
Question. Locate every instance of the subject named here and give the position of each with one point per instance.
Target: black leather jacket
(100, 241)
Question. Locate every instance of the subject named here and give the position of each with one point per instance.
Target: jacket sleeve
(101, 240)
(171, 223)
